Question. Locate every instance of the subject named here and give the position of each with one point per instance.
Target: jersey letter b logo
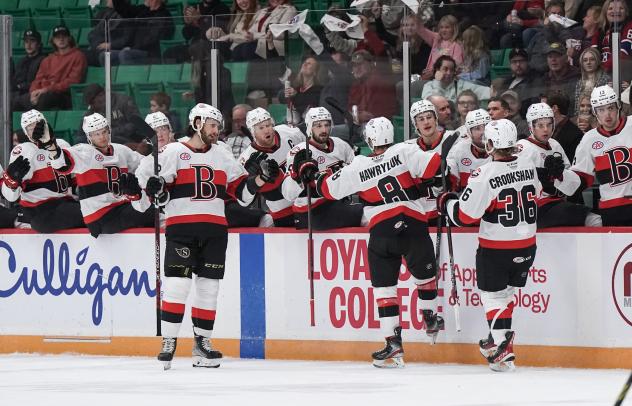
(620, 165)
(114, 175)
(204, 187)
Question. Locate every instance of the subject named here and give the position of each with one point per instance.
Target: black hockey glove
(155, 186)
(554, 165)
(43, 136)
(442, 201)
(16, 171)
(304, 168)
(253, 164)
(128, 184)
(269, 170)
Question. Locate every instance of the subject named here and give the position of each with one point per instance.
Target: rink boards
(72, 293)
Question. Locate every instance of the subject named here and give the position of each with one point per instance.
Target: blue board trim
(253, 301)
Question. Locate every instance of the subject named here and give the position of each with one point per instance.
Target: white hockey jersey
(504, 196)
(337, 154)
(462, 160)
(97, 175)
(286, 139)
(41, 183)
(198, 182)
(386, 183)
(607, 157)
(429, 198)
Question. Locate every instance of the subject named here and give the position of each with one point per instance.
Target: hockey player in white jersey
(8, 216)
(430, 139)
(271, 142)
(332, 154)
(468, 154)
(105, 179)
(545, 152)
(44, 194)
(195, 179)
(604, 153)
(398, 227)
(503, 194)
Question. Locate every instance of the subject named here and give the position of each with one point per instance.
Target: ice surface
(121, 381)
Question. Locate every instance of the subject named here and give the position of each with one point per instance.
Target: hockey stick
(624, 391)
(454, 294)
(310, 244)
(152, 137)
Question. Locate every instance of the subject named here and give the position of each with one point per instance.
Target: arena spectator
(419, 49)
(24, 74)
(476, 61)
(566, 132)
(585, 120)
(239, 139)
(305, 88)
(161, 101)
(109, 26)
(445, 115)
(513, 101)
(615, 11)
(372, 93)
(592, 33)
(524, 14)
(241, 20)
(552, 7)
(338, 83)
(50, 89)
(528, 84)
(561, 76)
(466, 101)
(497, 108)
(592, 75)
(371, 41)
(443, 43)
(152, 23)
(446, 83)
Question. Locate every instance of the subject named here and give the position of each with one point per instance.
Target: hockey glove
(253, 164)
(304, 168)
(442, 201)
(269, 170)
(16, 171)
(554, 165)
(43, 136)
(128, 184)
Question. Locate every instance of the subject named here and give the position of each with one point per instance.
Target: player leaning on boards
(604, 153)
(195, 178)
(430, 139)
(503, 194)
(398, 225)
(105, 178)
(331, 153)
(45, 195)
(549, 158)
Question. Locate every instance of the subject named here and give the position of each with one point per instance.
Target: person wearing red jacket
(371, 92)
(65, 66)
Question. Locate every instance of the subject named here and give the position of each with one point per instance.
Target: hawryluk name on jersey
(379, 169)
(57, 277)
(512, 177)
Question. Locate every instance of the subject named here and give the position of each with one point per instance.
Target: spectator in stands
(198, 20)
(123, 107)
(566, 132)
(371, 41)
(152, 24)
(524, 14)
(259, 40)
(372, 93)
(561, 76)
(241, 20)
(109, 26)
(528, 84)
(337, 84)
(552, 7)
(446, 83)
(592, 33)
(476, 62)
(305, 88)
(592, 75)
(497, 108)
(388, 16)
(466, 101)
(445, 116)
(419, 49)
(161, 101)
(51, 87)
(25, 72)
(615, 11)
(239, 138)
(513, 101)
(585, 120)
(443, 43)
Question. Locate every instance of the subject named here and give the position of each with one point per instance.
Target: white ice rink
(121, 381)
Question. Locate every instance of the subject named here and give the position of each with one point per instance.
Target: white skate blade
(433, 337)
(390, 363)
(201, 362)
(503, 366)
(166, 365)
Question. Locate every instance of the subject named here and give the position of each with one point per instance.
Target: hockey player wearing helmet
(469, 154)
(44, 194)
(503, 195)
(604, 154)
(196, 178)
(271, 143)
(331, 154)
(397, 225)
(549, 158)
(159, 122)
(106, 183)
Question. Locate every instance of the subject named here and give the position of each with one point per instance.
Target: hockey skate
(203, 355)
(392, 355)
(167, 351)
(500, 357)
(434, 323)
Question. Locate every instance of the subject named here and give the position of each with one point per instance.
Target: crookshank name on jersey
(512, 177)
